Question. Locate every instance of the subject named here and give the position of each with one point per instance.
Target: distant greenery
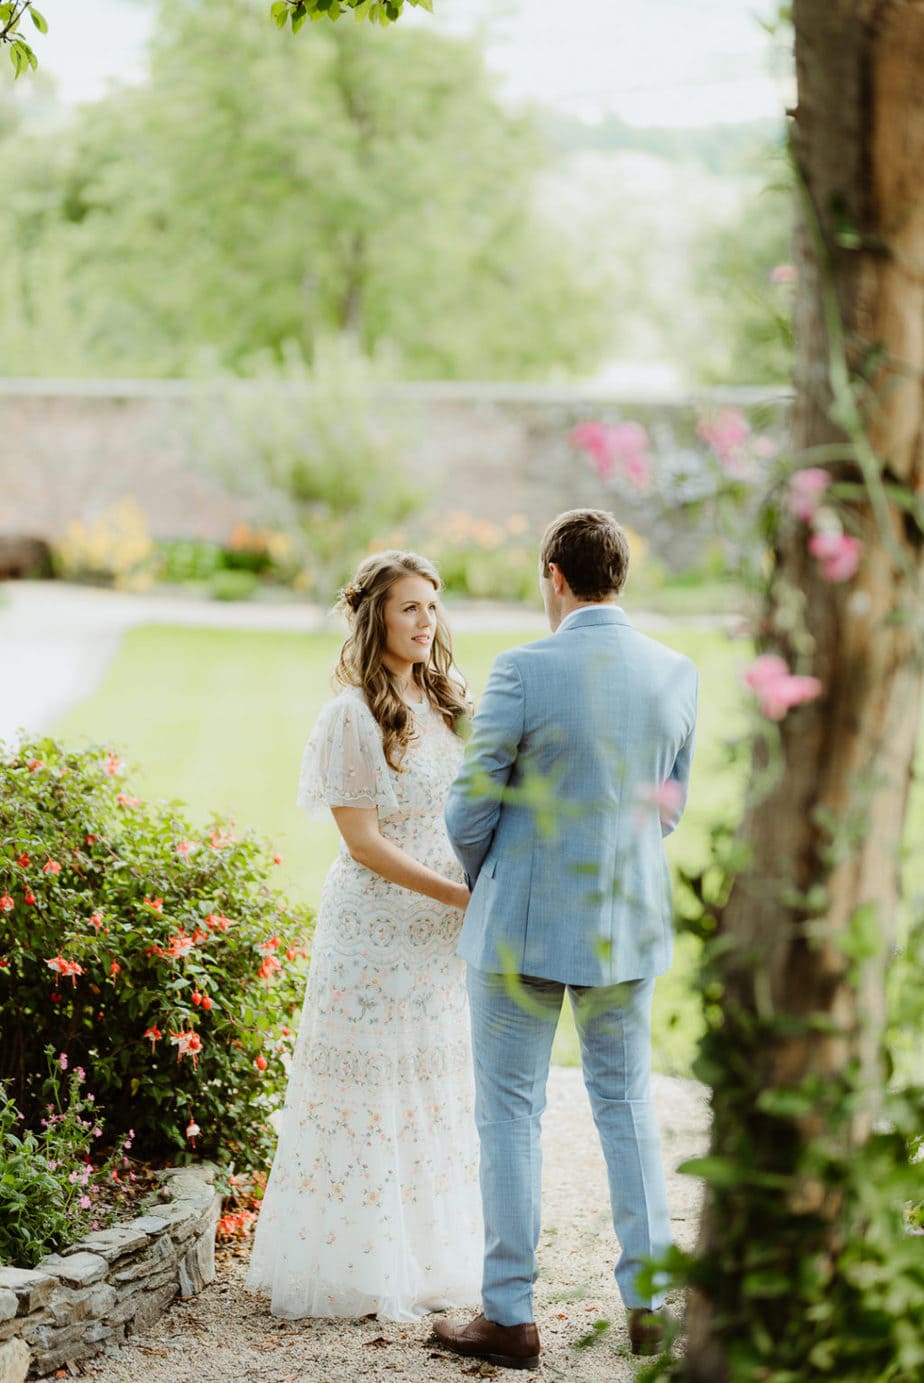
(261, 188)
(725, 150)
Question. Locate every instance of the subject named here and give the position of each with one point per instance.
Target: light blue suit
(554, 817)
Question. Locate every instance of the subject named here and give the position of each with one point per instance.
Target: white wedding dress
(372, 1204)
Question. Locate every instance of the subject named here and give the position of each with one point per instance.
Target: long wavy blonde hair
(360, 663)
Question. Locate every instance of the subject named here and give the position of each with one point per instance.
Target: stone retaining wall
(112, 1282)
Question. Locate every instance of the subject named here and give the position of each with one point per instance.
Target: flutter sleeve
(344, 763)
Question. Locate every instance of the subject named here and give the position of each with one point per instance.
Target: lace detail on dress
(372, 1203)
(344, 764)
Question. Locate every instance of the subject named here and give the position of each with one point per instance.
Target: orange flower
(51, 867)
(187, 1043)
(23, 860)
(6, 903)
(28, 897)
(268, 968)
(261, 1062)
(91, 840)
(34, 764)
(277, 859)
(206, 1002)
(155, 904)
(114, 968)
(65, 967)
(96, 920)
(196, 997)
(153, 1035)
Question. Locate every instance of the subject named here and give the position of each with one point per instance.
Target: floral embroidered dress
(372, 1204)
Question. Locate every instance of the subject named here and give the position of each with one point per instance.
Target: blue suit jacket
(551, 814)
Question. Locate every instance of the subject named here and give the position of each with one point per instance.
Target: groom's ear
(558, 578)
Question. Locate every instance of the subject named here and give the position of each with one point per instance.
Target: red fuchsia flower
(268, 968)
(29, 898)
(216, 921)
(155, 904)
(6, 903)
(776, 688)
(4, 963)
(219, 839)
(838, 554)
(196, 997)
(783, 273)
(187, 1043)
(192, 1131)
(806, 488)
(124, 800)
(268, 947)
(261, 1062)
(179, 945)
(153, 1035)
(34, 765)
(114, 968)
(91, 839)
(23, 860)
(66, 967)
(184, 847)
(96, 920)
(206, 1002)
(291, 953)
(113, 764)
(199, 935)
(51, 867)
(277, 859)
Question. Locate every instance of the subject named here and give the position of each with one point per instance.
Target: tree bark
(844, 762)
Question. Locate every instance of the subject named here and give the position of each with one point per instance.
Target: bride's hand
(459, 897)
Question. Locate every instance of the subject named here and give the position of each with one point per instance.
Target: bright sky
(669, 62)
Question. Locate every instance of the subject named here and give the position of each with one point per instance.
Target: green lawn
(218, 719)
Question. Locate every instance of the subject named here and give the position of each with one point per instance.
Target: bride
(372, 1203)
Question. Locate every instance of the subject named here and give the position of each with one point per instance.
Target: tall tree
(809, 927)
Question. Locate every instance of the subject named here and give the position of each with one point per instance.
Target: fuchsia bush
(161, 958)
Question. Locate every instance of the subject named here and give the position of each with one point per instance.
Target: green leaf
(39, 20)
(717, 1171)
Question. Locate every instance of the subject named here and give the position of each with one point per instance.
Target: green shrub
(233, 585)
(160, 958)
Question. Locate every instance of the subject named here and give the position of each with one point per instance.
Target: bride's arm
(359, 827)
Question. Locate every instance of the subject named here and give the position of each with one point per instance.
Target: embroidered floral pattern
(372, 1204)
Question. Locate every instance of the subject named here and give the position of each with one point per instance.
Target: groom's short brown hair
(591, 551)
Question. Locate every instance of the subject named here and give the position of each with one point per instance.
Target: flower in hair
(352, 595)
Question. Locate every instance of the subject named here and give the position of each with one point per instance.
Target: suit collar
(589, 615)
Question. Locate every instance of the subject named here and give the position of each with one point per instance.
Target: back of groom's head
(591, 551)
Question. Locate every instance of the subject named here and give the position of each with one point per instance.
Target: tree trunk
(834, 810)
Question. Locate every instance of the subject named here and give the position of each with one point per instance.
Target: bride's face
(410, 621)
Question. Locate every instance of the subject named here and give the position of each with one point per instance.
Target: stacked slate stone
(112, 1282)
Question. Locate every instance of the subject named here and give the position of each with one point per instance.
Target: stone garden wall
(71, 449)
(111, 1283)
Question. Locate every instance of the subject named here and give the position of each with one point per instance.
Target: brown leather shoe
(510, 1346)
(649, 1330)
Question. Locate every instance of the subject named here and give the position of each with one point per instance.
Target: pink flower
(184, 847)
(838, 554)
(725, 432)
(782, 273)
(776, 688)
(65, 967)
(666, 796)
(620, 448)
(806, 488)
(113, 764)
(62, 1061)
(85, 1202)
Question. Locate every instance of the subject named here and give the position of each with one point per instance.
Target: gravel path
(226, 1334)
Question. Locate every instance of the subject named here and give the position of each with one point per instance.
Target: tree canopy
(254, 192)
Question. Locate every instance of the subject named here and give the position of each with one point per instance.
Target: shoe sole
(503, 1361)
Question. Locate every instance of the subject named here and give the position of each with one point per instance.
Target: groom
(577, 766)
